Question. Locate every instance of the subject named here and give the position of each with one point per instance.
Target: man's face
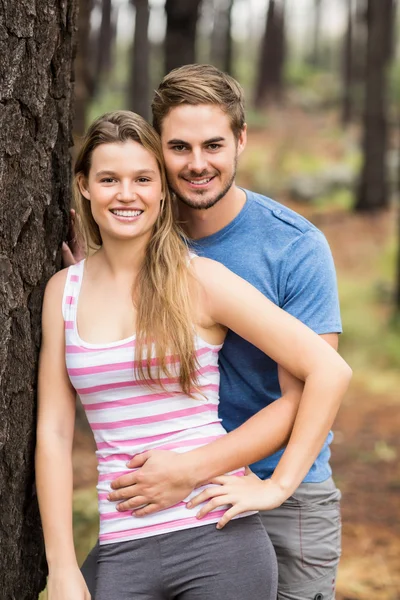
(200, 153)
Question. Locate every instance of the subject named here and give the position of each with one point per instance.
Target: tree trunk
(139, 87)
(315, 56)
(221, 39)
(180, 39)
(272, 56)
(83, 75)
(397, 282)
(105, 40)
(348, 67)
(36, 50)
(373, 193)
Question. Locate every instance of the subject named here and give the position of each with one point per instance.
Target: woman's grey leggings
(202, 563)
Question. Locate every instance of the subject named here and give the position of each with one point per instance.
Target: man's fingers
(124, 481)
(131, 504)
(138, 460)
(147, 510)
(124, 494)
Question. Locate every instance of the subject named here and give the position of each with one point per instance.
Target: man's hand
(163, 478)
(73, 250)
(243, 493)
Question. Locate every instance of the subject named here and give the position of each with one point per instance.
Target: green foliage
(86, 521)
(111, 92)
(371, 340)
(341, 199)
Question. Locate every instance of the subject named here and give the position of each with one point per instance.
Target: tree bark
(272, 56)
(221, 39)
(373, 193)
(180, 39)
(36, 50)
(139, 86)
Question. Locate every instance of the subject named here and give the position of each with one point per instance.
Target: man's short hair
(199, 84)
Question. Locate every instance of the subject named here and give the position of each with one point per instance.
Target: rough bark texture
(36, 48)
(180, 39)
(139, 87)
(272, 56)
(373, 190)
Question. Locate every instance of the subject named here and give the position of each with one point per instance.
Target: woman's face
(124, 189)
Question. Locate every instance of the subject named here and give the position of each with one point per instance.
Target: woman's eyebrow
(138, 172)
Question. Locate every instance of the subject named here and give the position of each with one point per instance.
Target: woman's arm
(166, 477)
(236, 304)
(55, 427)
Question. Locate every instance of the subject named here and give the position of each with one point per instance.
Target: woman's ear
(82, 184)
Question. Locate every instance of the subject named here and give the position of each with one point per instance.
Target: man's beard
(212, 201)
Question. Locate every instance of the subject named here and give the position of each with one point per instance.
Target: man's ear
(82, 184)
(242, 140)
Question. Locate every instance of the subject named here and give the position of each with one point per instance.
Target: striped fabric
(127, 417)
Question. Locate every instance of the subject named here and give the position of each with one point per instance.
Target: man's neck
(202, 223)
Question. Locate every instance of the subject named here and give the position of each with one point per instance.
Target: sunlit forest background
(322, 82)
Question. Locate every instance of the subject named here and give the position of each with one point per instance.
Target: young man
(198, 111)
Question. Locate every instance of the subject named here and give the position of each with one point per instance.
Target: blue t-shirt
(289, 261)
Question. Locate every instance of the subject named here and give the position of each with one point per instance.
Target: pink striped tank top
(127, 417)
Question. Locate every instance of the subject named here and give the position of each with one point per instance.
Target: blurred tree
(397, 282)
(139, 85)
(272, 55)
(348, 66)
(83, 75)
(105, 40)
(373, 193)
(180, 39)
(221, 38)
(36, 51)
(315, 55)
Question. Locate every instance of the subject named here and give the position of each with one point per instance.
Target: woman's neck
(123, 258)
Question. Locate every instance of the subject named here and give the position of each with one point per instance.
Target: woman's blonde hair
(161, 291)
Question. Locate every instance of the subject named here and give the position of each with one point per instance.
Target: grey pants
(201, 563)
(306, 534)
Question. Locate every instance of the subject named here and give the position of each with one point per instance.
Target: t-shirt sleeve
(308, 286)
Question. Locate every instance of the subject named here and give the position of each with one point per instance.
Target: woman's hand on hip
(244, 494)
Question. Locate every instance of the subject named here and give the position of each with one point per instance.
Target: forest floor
(366, 448)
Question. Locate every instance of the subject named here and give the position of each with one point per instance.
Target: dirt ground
(366, 449)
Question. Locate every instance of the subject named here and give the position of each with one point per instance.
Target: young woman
(135, 330)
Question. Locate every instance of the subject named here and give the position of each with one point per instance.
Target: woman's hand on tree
(73, 250)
